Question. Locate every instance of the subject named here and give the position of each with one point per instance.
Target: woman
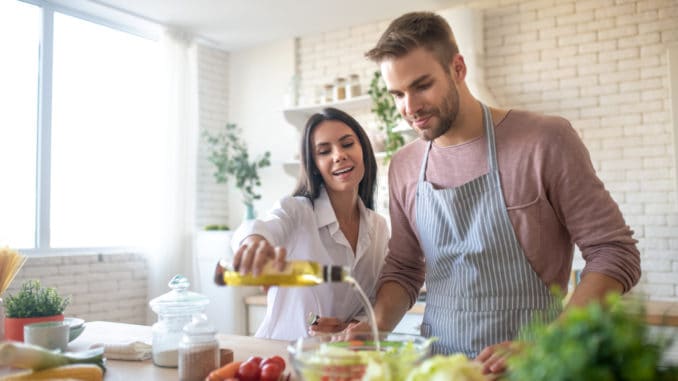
(328, 219)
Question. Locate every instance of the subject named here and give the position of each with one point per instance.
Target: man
(486, 206)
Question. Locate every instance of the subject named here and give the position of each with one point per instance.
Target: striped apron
(480, 287)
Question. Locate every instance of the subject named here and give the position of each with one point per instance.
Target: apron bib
(480, 287)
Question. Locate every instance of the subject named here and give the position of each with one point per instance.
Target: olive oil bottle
(295, 273)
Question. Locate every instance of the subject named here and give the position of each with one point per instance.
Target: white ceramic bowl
(76, 327)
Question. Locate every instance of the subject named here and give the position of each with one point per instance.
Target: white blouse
(312, 233)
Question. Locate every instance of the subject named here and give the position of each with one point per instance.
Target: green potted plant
(32, 304)
(230, 157)
(383, 106)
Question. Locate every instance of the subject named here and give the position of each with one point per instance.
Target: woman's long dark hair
(310, 180)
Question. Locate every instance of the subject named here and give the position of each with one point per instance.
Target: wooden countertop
(656, 312)
(243, 347)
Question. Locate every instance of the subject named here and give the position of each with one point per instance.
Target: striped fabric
(480, 287)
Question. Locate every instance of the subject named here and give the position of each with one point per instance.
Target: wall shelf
(297, 116)
(291, 167)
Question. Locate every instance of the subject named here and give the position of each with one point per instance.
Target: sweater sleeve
(404, 262)
(587, 209)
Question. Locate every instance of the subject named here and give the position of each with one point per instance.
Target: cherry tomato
(248, 371)
(275, 360)
(270, 372)
(255, 359)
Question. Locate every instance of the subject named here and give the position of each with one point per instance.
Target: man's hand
(493, 358)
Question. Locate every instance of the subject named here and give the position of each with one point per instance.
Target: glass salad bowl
(333, 357)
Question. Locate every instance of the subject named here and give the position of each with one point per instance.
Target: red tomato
(275, 360)
(270, 372)
(248, 371)
(256, 359)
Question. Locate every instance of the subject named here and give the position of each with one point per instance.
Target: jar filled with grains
(328, 96)
(353, 86)
(198, 350)
(339, 89)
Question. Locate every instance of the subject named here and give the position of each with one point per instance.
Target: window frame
(98, 14)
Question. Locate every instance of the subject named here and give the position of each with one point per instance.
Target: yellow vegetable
(79, 372)
(21, 355)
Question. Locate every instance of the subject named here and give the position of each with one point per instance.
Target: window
(20, 39)
(103, 121)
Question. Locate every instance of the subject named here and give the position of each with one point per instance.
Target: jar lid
(199, 325)
(179, 301)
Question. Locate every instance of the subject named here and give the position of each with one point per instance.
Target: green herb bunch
(388, 116)
(229, 155)
(596, 342)
(33, 300)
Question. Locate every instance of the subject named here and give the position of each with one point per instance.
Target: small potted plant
(32, 304)
(383, 106)
(231, 158)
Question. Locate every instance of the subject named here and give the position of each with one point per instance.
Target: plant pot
(250, 213)
(14, 327)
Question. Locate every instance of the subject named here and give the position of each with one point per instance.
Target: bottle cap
(334, 273)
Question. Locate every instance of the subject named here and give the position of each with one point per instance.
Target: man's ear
(458, 67)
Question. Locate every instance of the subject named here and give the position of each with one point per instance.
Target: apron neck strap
(488, 125)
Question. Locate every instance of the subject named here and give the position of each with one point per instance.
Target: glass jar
(198, 350)
(353, 86)
(339, 89)
(174, 310)
(327, 94)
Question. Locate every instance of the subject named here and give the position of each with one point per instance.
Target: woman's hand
(326, 325)
(254, 253)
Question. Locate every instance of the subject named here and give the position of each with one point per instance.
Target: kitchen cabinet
(256, 311)
(411, 322)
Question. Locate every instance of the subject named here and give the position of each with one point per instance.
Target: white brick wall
(600, 63)
(212, 198)
(109, 287)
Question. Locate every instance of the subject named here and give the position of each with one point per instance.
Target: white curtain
(171, 250)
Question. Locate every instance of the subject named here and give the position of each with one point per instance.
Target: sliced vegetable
(227, 371)
(443, 368)
(81, 372)
(21, 355)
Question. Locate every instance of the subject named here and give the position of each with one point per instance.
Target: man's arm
(391, 305)
(593, 287)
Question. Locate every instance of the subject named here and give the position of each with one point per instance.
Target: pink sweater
(553, 196)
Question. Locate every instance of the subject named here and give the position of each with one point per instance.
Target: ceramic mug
(49, 335)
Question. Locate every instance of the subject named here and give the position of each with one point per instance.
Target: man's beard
(446, 113)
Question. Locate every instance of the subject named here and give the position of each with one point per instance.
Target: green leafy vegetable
(597, 342)
(455, 367)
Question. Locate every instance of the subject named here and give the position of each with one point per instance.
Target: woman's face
(338, 156)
